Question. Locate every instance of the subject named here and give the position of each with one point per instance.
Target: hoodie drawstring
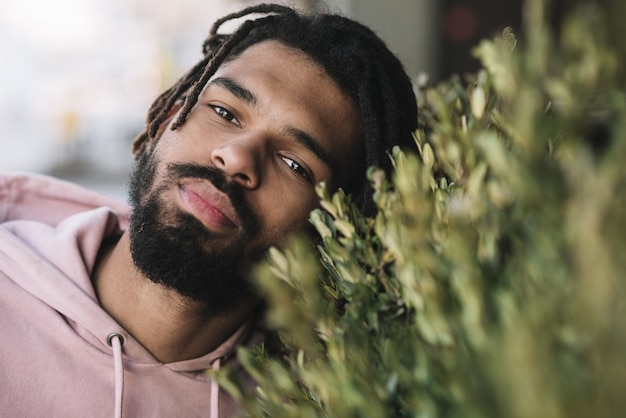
(215, 391)
(117, 341)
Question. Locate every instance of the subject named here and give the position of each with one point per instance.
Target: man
(101, 315)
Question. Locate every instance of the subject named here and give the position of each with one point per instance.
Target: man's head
(231, 154)
(350, 53)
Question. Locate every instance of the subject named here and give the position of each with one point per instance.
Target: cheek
(283, 215)
(187, 143)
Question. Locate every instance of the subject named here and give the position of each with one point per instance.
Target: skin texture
(275, 125)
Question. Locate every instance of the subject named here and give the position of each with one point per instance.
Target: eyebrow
(236, 89)
(312, 145)
(301, 137)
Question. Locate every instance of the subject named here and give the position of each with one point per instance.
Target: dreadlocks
(349, 52)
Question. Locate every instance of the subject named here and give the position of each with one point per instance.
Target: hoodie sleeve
(49, 200)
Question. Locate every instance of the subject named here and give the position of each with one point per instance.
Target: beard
(175, 250)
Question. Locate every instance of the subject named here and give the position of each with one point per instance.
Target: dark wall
(463, 23)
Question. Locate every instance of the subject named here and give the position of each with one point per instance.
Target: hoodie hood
(34, 197)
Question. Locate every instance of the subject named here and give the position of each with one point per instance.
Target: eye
(224, 114)
(297, 168)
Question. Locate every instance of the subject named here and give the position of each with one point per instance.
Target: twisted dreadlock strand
(258, 9)
(224, 46)
(221, 54)
(174, 94)
(215, 40)
(215, 49)
(160, 108)
(350, 53)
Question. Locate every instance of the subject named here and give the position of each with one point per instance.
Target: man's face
(240, 174)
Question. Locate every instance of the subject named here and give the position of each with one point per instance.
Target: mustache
(221, 181)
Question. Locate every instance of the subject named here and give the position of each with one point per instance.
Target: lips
(209, 205)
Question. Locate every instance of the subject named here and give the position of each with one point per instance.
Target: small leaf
(478, 102)
(428, 156)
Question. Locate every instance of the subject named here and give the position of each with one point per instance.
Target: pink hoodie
(60, 353)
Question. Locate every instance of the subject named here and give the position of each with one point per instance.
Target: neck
(171, 326)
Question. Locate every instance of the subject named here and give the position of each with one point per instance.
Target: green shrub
(490, 283)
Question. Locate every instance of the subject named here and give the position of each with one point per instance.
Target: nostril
(219, 161)
(242, 178)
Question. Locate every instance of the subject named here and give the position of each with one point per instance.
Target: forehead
(278, 52)
(273, 61)
(289, 87)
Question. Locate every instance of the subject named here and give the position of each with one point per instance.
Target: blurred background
(77, 76)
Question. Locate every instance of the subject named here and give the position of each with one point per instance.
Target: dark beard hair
(177, 251)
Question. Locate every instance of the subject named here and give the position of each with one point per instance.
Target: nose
(240, 159)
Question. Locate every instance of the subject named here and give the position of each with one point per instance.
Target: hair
(350, 53)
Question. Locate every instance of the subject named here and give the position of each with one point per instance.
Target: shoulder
(26, 196)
